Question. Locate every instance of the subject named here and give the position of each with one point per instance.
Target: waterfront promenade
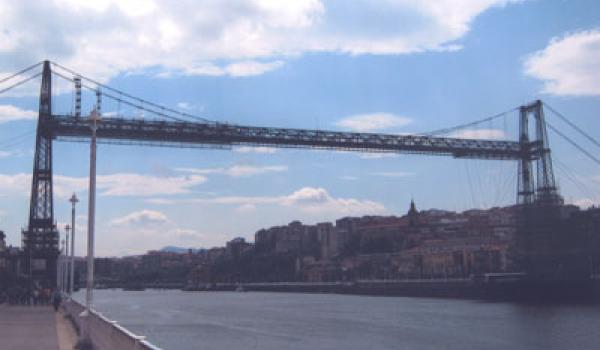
(34, 327)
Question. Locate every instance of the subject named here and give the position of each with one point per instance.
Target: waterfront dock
(34, 327)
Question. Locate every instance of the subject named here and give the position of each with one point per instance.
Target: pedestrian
(56, 299)
(47, 295)
(36, 296)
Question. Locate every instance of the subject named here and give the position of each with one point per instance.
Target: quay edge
(491, 289)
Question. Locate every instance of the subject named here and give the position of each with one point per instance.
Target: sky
(390, 66)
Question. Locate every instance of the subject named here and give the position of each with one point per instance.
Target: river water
(275, 321)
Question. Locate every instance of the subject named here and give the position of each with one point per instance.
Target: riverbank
(447, 288)
(457, 288)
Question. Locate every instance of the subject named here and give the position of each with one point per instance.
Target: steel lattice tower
(542, 190)
(40, 239)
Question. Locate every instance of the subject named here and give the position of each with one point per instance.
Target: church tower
(413, 214)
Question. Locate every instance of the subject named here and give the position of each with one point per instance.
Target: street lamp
(59, 272)
(65, 263)
(73, 201)
(94, 118)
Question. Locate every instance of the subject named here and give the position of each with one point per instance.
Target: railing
(105, 334)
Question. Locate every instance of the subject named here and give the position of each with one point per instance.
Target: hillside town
(428, 244)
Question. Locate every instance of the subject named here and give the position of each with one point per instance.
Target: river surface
(276, 321)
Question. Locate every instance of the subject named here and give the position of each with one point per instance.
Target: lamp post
(60, 271)
(86, 330)
(65, 264)
(73, 201)
(94, 118)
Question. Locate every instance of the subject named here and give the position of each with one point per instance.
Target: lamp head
(95, 116)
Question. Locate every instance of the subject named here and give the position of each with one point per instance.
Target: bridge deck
(194, 134)
(36, 327)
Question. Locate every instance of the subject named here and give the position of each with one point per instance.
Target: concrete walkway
(32, 328)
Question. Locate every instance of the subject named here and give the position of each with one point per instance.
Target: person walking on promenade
(56, 299)
(36, 296)
(47, 292)
(28, 295)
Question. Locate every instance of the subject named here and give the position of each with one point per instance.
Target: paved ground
(67, 338)
(32, 328)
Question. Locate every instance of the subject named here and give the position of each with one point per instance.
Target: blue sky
(382, 66)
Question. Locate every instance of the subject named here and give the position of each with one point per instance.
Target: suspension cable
(122, 93)
(16, 139)
(463, 126)
(131, 104)
(573, 143)
(20, 83)
(571, 124)
(570, 175)
(19, 72)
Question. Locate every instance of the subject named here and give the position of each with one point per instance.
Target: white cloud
(237, 170)
(144, 230)
(228, 37)
(307, 199)
(160, 201)
(64, 186)
(121, 184)
(141, 218)
(372, 122)
(6, 154)
(372, 155)
(319, 200)
(250, 68)
(246, 208)
(569, 65)
(9, 113)
(369, 155)
(131, 184)
(307, 196)
(146, 185)
(184, 105)
(237, 69)
(17, 183)
(482, 134)
(260, 150)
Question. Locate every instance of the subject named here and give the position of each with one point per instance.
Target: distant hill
(179, 250)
